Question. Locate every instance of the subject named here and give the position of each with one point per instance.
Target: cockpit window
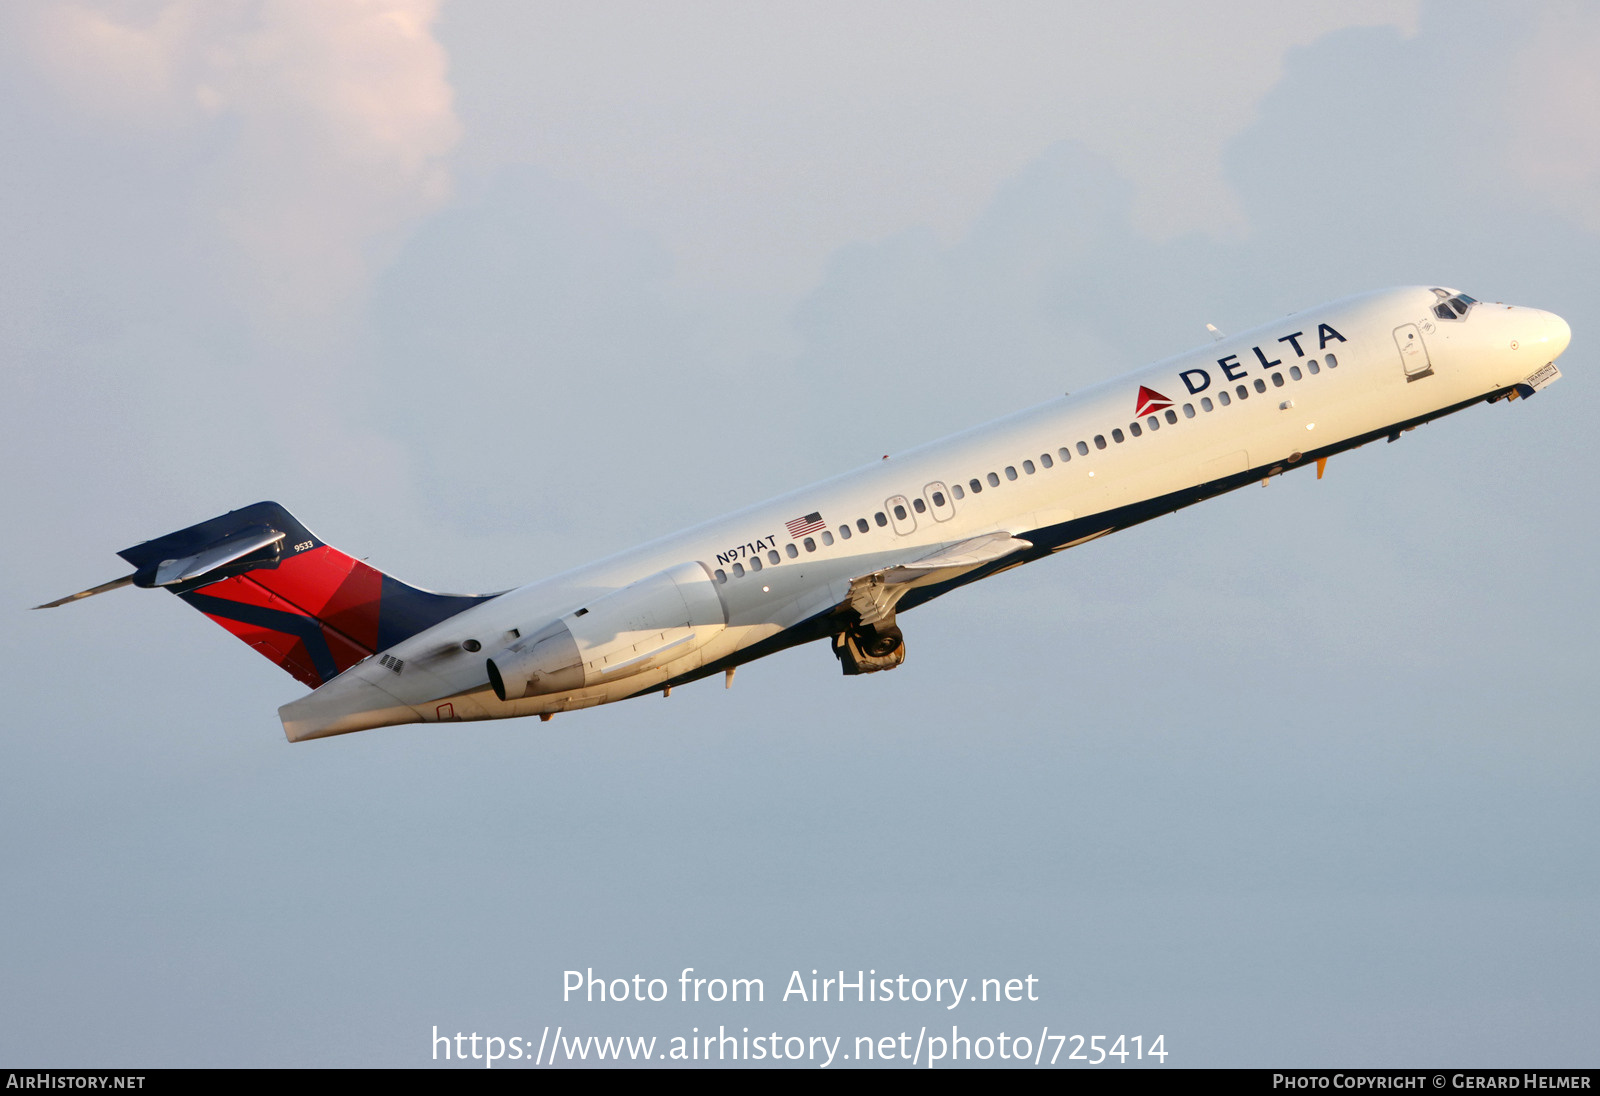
(1453, 307)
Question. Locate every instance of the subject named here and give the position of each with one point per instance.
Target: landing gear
(868, 648)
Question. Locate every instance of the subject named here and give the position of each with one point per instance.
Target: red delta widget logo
(1149, 402)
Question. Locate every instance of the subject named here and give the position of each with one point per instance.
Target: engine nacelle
(642, 626)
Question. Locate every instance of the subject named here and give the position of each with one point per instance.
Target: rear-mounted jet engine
(640, 627)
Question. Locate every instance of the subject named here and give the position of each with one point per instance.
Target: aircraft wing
(874, 595)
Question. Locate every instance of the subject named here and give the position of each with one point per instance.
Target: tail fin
(270, 581)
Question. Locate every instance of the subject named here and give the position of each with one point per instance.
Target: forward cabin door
(1413, 352)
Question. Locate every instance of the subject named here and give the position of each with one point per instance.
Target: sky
(483, 290)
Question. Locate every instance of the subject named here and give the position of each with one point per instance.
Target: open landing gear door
(873, 641)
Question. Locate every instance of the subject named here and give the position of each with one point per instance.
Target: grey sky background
(480, 291)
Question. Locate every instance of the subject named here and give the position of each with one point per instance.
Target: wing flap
(873, 596)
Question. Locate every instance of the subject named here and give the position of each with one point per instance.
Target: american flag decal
(799, 527)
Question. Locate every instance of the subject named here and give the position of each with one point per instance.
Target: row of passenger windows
(1152, 423)
(1064, 454)
(773, 558)
(810, 543)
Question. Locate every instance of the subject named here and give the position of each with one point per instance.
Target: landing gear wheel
(869, 648)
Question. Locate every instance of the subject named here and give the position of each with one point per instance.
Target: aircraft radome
(842, 559)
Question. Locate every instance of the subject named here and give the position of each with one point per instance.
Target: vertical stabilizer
(273, 583)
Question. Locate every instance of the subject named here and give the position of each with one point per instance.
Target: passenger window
(977, 488)
(1277, 380)
(827, 537)
(738, 570)
(921, 507)
(772, 556)
(1261, 385)
(844, 531)
(1243, 392)
(1223, 398)
(861, 525)
(1294, 372)
(1083, 448)
(722, 576)
(1099, 442)
(811, 545)
(1333, 362)
(958, 492)
(904, 523)
(1188, 410)
(1118, 437)
(938, 498)
(880, 519)
(790, 550)
(1172, 416)
(1137, 432)
(755, 563)
(1205, 403)
(1027, 466)
(1011, 472)
(1044, 459)
(994, 480)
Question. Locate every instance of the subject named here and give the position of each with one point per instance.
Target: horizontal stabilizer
(114, 584)
(171, 572)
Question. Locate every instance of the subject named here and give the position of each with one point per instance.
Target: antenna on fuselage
(1215, 334)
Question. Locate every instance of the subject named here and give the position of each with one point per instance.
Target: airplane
(840, 560)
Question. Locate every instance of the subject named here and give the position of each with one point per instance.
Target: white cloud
(738, 133)
(319, 128)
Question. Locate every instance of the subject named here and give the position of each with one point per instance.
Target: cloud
(319, 129)
(1553, 98)
(754, 140)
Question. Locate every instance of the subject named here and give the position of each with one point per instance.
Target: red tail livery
(270, 581)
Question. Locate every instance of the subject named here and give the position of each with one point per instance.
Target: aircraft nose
(1557, 333)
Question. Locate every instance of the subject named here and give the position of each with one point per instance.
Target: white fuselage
(1055, 474)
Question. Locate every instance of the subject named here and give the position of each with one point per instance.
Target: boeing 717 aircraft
(841, 560)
